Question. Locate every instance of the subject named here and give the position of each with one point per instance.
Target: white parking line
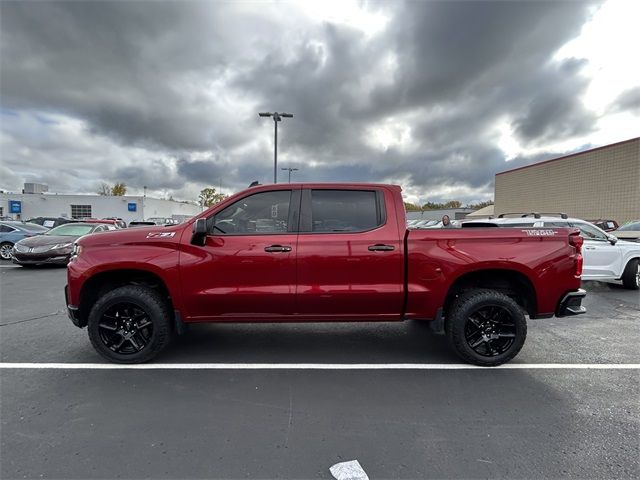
(318, 366)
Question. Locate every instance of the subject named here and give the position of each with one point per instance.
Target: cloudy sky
(435, 96)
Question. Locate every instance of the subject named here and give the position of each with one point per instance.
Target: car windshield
(633, 227)
(71, 230)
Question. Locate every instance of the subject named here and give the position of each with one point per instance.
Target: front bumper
(571, 304)
(72, 310)
(42, 259)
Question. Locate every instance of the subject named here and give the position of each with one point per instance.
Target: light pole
(277, 117)
(290, 170)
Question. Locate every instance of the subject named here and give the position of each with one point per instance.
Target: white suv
(605, 257)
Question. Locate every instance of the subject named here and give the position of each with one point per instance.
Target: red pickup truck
(320, 252)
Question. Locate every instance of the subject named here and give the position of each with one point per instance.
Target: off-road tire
(467, 304)
(147, 300)
(630, 277)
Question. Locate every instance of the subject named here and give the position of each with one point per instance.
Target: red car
(606, 225)
(321, 252)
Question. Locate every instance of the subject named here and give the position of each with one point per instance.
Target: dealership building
(36, 202)
(602, 183)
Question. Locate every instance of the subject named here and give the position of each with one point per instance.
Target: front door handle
(381, 248)
(277, 248)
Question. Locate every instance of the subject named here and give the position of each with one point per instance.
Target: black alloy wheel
(130, 324)
(490, 331)
(125, 328)
(485, 327)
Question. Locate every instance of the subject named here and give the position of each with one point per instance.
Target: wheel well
(101, 283)
(514, 284)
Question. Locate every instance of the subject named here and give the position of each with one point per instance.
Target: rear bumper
(571, 304)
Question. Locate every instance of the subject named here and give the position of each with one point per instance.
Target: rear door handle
(277, 248)
(381, 248)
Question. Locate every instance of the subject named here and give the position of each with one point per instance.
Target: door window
(345, 211)
(259, 214)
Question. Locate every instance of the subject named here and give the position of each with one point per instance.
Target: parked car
(329, 252)
(162, 221)
(629, 231)
(106, 221)
(12, 232)
(141, 223)
(605, 257)
(50, 222)
(606, 225)
(55, 245)
(120, 223)
(424, 223)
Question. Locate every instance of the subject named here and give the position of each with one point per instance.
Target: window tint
(6, 229)
(518, 225)
(344, 210)
(262, 213)
(557, 224)
(589, 232)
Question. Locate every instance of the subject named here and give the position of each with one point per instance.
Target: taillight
(576, 241)
(579, 264)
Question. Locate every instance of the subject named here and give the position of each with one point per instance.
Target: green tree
(119, 189)
(442, 206)
(479, 205)
(411, 207)
(209, 196)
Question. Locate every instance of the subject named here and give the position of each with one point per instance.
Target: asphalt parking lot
(248, 422)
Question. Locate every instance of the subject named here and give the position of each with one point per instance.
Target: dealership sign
(132, 206)
(15, 206)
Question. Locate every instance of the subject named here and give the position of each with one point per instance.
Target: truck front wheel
(130, 324)
(486, 327)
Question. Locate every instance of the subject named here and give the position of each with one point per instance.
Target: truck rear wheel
(486, 327)
(631, 275)
(130, 324)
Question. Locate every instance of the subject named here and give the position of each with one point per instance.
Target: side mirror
(199, 232)
(612, 239)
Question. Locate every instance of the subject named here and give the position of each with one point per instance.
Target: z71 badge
(540, 233)
(160, 234)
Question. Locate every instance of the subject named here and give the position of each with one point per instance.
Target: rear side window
(345, 210)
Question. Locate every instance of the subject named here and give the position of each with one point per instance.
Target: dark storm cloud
(555, 112)
(629, 100)
(178, 79)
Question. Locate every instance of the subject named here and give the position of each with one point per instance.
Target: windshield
(633, 226)
(71, 230)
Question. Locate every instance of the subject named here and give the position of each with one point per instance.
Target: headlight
(20, 248)
(77, 250)
(62, 246)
